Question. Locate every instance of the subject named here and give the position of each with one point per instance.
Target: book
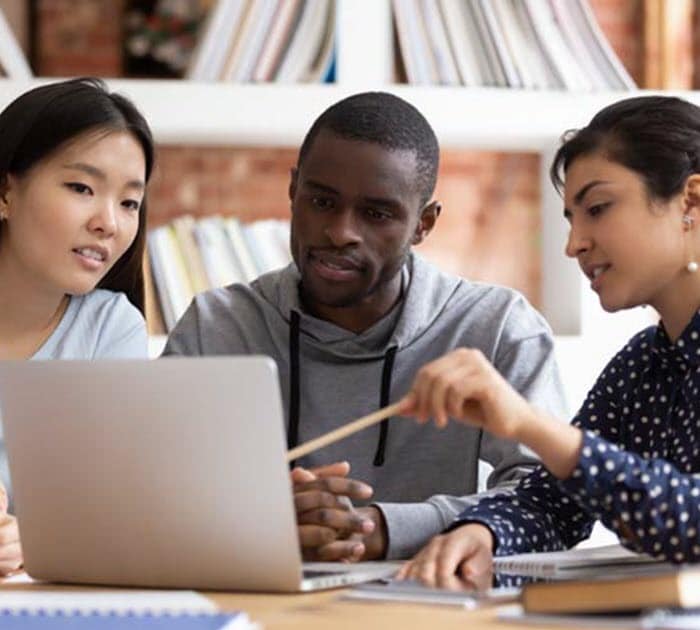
(606, 57)
(38, 608)
(572, 562)
(409, 591)
(220, 27)
(152, 306)
(658, 619)
(184, 233)
(305, 43)
(220, 264)
(459, 32)
(252, 42)
(276, 43)
(234, 231)
(438, 43)
(69, 620)
(495, 73)
(322, 67)
(666, 588)
(497, 32)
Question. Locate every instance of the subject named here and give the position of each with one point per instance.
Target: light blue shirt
(98, 325)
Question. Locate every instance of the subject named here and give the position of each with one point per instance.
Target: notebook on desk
(167, 473)
(577, 562)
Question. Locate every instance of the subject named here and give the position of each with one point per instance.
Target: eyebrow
(309, 183)
(578, 197)
(99, 174)
(378, 201)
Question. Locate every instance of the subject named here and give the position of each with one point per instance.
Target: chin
(613, 306)
(79, 288)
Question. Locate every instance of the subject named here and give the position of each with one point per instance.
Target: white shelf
(279, 115)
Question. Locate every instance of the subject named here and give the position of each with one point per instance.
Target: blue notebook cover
(77, 620)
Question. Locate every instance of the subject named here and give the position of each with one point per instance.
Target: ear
(691, 199)
(5, 185)
(293, 179)
(428, 216)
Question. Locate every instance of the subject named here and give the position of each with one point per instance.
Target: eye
(322, 203)
(377, 215)
(131, 204)
(81, 189)
(596, 209)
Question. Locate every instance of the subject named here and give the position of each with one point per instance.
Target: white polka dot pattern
(639, 464)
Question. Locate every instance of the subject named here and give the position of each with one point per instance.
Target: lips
(334, 266)
(593, 271)
(92, 255)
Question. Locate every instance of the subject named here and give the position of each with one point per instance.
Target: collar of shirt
(684, 354)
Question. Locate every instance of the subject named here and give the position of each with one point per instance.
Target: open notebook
(575, 562)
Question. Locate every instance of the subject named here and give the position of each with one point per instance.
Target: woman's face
(75, 213)
(631, 248)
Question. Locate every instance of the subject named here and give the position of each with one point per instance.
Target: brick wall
(490, 225)
(78, 37)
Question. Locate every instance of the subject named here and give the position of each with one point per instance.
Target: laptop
(168, 473)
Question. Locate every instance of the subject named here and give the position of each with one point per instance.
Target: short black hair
(657, 137)
(386, 120)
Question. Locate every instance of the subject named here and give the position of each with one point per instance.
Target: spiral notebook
(99, 620)
(571, 563)
(107, 609)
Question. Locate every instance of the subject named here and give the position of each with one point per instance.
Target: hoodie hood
(427, 293)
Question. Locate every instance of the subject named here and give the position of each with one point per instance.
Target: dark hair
(386, 120)
(41, 120)
(657, 137)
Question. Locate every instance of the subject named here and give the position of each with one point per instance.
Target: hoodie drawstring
(384, 395)
(293, 433)
(294, 389)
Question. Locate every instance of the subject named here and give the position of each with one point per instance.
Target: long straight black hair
(40, 121)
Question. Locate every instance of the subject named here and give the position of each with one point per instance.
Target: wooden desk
(325, 610)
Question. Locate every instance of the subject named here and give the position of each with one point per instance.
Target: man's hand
(465, 552)
(329, 527)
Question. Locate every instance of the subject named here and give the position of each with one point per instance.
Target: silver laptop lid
(166, 473)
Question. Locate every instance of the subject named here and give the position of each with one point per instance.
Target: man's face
(356, 211)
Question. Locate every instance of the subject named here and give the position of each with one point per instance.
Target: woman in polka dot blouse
(631, 457)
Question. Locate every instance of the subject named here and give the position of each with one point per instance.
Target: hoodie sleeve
(523, 353)
(525, 358)
(185, 338)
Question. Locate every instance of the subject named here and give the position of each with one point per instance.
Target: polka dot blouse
(639, 467)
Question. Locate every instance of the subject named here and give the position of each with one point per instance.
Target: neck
(679, 303)
(29, 312)
(359, 317)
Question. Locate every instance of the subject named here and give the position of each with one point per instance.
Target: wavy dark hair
(657, 137)
(40, 121)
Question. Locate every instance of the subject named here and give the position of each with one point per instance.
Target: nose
(104, 219)
(341, 228)
(577, 243)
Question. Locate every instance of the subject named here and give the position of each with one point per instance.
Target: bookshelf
(185, 112)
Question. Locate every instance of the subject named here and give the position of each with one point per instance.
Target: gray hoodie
(329, 376)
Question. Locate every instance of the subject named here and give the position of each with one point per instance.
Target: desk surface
(326, 610)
